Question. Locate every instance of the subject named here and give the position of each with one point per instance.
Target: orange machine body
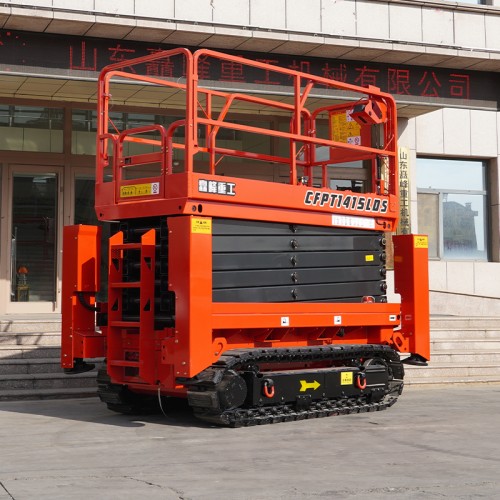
(193, 208)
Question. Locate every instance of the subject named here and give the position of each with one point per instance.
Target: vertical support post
(147, 368)
(190, 277)
(115, 275)
(81, 277)
(191, 130)
(411, 276)
(296, 131)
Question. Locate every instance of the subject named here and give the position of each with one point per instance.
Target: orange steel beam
(190, 277)
(81, 275)
(411, 276)
(147, 341)
(301, 315)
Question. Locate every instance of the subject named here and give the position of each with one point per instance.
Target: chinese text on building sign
(404, 226)
(92, 54)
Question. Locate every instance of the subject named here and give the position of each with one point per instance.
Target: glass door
(84, 194)
(34, 243)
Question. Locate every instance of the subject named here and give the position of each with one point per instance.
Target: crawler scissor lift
(256, 291)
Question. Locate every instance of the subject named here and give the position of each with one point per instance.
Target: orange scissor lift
(260, 300)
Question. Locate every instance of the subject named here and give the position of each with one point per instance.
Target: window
(84, 127)
(452, 208)
(31, 128)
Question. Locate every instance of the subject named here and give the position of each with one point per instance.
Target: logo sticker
(217, 187)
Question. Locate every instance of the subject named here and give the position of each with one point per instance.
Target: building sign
(404, 226)
(77, 54)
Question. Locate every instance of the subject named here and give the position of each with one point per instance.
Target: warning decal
(149, 189)
(344, 129)
(421, 242)
(346, 378)
(201, 226)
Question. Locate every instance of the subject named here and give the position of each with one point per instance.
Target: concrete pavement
(434, 443)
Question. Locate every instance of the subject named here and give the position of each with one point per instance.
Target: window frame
(441, 192)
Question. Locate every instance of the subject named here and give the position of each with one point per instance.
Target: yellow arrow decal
(304, 385)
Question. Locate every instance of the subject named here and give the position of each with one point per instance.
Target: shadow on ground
(92, 410)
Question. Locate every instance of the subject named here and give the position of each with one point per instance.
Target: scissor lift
(259, 301)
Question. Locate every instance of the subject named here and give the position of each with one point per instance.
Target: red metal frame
(411, 281)
(146, 359)
(302, 138)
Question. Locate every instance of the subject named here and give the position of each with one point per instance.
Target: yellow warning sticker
(201, 226)
(151, 188)
(346, 378)
(369, 258)
(421, 242)
(343, 128)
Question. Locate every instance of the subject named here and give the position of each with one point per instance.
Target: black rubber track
(234, 360)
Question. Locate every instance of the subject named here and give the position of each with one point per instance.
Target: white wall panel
(437, 26)
(469, 29)
(264, 13)
(85, 5)
(338, 17)
(492, 28)
(406, 132)
(33, 3)
(429, 133)
(122, 7)
(456, 130)
(235, 12)
(460, 277)
(487, 279)
(483, 133)
(372, 19)
(405, 23)
(438, 275)
(303, 16)
(413, 216)
(157, 9)
(193, 10)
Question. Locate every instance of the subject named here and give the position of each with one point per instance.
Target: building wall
(460, 287)
(334, 26)
(434, 32)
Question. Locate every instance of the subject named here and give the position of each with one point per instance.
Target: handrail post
(191, 111)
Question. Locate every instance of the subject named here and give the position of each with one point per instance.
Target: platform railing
(200, 114)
